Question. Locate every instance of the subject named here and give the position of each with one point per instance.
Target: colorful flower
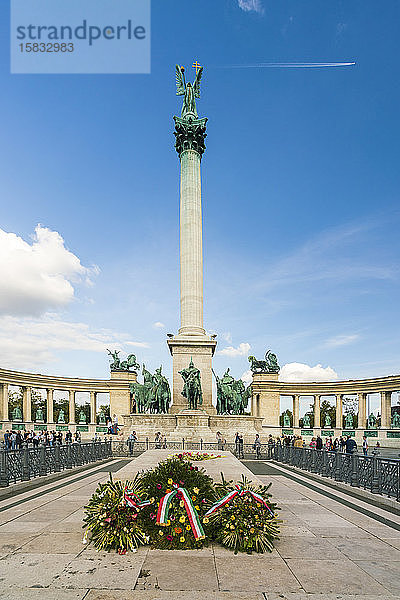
(159, 486)
(188, 527)
(182, 539)
(206, 520)
(169, 538)
(169, 481)
(197, 507)
(160, 533)
(182, 519)
(196, 490)
(179, 529)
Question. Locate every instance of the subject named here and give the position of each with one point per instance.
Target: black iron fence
(374, 473)
(25, 463)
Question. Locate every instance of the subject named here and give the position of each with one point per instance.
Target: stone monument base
(192, 425)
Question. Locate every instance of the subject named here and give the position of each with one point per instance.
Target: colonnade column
(317, 410)
(296, 410)
(362, 410)
(27, 405)
(93, 407)
(386, 405)
(71, 406)
(50, 406)
(339, 411)
(4, 402)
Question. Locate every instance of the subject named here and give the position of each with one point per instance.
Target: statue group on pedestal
(269, 365)
(153, 395)
(125, 365)
(192, 386)
(348, 421)
(232, 396)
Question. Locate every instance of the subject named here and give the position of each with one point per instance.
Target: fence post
(68, 462)
(201, 444)
(324, 469)
(57, 464)
(354, 470)
(147, 443)
(25, 465)
(183, 443)
(42, 461)
(337, 473)
(375, 476)
(4, 481)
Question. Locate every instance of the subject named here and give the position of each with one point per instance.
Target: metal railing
(25, 463)
(374, 473)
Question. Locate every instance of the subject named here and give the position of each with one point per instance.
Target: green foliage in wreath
(157, 482)
(245, 525)
(109, 523)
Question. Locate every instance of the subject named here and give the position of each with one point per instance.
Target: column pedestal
(201, 349)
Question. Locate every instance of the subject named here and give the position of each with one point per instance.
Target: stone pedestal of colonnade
(120, 396)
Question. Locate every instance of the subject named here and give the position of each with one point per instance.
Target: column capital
(190, 134)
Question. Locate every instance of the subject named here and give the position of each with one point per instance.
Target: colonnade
(385, 409)
(49, 404)
(267, 392)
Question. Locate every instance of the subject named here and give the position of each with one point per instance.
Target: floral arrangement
(112, 519)
(244, 518)
(176, 505)
(183, 493)
(195, 456)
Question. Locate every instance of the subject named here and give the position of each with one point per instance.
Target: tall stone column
(93, 407)
(191, 341)
(50, 405)
(71, 406)
(386, 406)
(339, 411)
(362, 410)
(317, 410)
(4, 402)
(27, 405)
(296, 410)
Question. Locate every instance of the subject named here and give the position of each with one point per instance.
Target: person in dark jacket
(351, 445)
(319, 443)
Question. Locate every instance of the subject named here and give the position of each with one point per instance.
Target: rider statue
(192, 386)
(396, 420)
(372, 421)
(348, 421)
(306, 421)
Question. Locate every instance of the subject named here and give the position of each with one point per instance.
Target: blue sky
(300, 194)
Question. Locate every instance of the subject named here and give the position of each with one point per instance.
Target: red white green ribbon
(238, 492)
(164, 506)
(131, 499)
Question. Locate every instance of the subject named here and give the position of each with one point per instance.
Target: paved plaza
(330, 547)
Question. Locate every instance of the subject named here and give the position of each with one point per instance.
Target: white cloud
(300, 373)
(341, 340)
(227, 336)
(27, 343)
(138, 344)
(251, 6)
(247, 377)
(158, 325)
(241, 350)
(38, 276)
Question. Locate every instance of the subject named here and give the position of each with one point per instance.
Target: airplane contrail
(309, 65)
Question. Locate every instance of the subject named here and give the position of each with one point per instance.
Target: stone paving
(327, 550)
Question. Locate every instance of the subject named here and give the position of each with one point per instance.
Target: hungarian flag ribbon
(131, 499)
(165, 504)
(238, 492)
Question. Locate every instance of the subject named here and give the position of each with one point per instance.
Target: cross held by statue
(196, 66)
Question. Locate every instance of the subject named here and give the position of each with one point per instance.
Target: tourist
(257, 446)
(237, 443)
(313, 443)
(270, 445)
(298, 442)
(318, 443)
(342, 443)
(240, 446)
(219, 440)
(365, 445)
(7, 442)
(158, 440)
(131, 441)
(335, 446)
(68, 437)
(164, 442)
(351, 445)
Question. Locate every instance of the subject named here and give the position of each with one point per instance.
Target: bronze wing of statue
(180, 82)
(196, 84)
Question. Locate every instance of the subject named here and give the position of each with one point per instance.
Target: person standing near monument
(257, 446)
(365, 445)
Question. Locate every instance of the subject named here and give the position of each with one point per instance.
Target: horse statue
(269, 365)
(125, 365)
